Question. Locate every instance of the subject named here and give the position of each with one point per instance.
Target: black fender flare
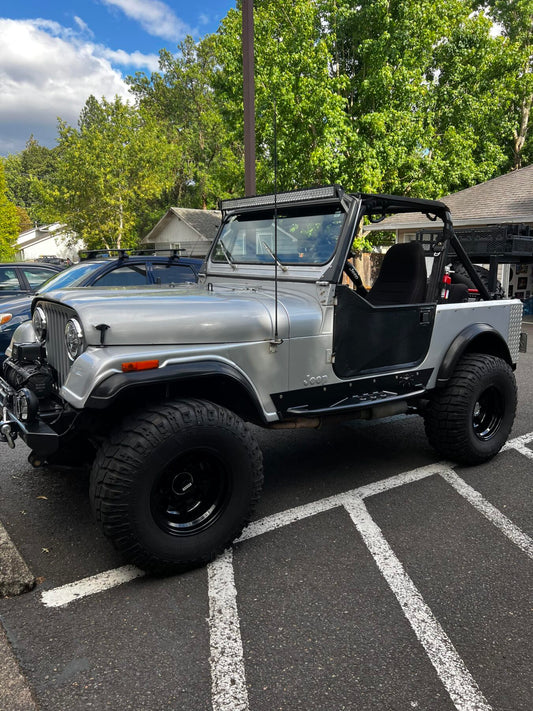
(484, 336)
(107, 392)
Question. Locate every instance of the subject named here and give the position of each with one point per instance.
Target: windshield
(72, 276)
(306, 235)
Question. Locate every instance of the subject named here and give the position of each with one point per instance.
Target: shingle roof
(205, 222)
(505, 199)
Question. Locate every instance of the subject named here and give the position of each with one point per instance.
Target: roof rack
(173, 253)
(85, 254)
(95, 253)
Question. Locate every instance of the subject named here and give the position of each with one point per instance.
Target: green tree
(24, 220)
(438, 100)
(181, 97)
(516, 22)
(9, 221)
(419, 97)
(387, 51)
(110, 170)
(468, 106)
(293, 73)
(25, 172)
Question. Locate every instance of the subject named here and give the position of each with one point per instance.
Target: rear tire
(461, 276)
(176, 484)
(469, 420)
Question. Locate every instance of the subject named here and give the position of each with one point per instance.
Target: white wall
(52, 246)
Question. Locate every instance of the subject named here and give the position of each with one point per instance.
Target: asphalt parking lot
(374, 576)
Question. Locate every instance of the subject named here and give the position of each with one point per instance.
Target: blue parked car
(99, 268)
(22, 278)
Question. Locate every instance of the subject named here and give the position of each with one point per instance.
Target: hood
(190, 314)
(15, 305)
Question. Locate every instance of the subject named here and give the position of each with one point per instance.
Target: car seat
(402, 278)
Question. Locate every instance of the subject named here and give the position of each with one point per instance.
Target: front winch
(37, 377)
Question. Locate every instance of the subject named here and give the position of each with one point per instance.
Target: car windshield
(73, 276)
(305, 235)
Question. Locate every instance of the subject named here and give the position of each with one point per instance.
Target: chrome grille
(56, 352)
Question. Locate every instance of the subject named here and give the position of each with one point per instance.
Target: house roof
(204, 222)
(39, 234)
(502, 200)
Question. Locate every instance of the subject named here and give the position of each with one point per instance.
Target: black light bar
(326, 193)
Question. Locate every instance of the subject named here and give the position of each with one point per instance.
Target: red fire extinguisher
(446, 281)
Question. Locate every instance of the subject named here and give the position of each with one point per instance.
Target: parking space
(373, 577)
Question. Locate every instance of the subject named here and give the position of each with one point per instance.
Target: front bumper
(37, 434)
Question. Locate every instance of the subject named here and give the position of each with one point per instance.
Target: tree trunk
(120, 223)
(520, 136)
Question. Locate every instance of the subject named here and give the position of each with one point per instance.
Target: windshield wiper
(280, 265)
(227, 255)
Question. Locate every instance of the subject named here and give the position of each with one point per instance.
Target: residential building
(189, 230)
(48, 241)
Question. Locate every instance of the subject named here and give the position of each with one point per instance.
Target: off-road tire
(461, 276)
(176, 483)
(469, 420)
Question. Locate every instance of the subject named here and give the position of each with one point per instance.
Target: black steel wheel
(469, 420)
(190, 493)
(488, 413)
(176, 484)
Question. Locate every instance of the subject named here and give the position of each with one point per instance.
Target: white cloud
(46, 72)
(130, 59)
(84, 27)
(157, 18)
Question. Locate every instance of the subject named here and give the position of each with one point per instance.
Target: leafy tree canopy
(181, 96)
(110, 168)
(9, 221)
(34, 165)
(419, 97)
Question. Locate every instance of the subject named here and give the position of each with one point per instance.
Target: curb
(15, 576)
(16, 694)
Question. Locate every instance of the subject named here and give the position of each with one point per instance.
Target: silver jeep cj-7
(152, 387)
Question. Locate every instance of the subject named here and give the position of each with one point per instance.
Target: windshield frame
(249, 236)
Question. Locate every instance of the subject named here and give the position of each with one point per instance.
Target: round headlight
(39, 323)
(73, 338)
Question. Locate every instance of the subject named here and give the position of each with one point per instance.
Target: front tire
(176, 484)
(469, 420)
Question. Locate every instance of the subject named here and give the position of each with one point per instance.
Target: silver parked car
(153, 390)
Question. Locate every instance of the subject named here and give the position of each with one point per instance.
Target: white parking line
(227, 663)
(450, 668)
(229, 692)
(521, 447)
(494, 515)
(59, 597)
(519, 443)
(284, 518)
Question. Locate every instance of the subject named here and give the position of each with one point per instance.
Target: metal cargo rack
(509, 243)
(492, 245)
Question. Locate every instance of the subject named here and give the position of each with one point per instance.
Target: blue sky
(55, 53)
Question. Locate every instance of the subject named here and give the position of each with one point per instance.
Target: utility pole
(248, 95)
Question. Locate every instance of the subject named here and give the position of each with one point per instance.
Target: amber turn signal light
(139, 365)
